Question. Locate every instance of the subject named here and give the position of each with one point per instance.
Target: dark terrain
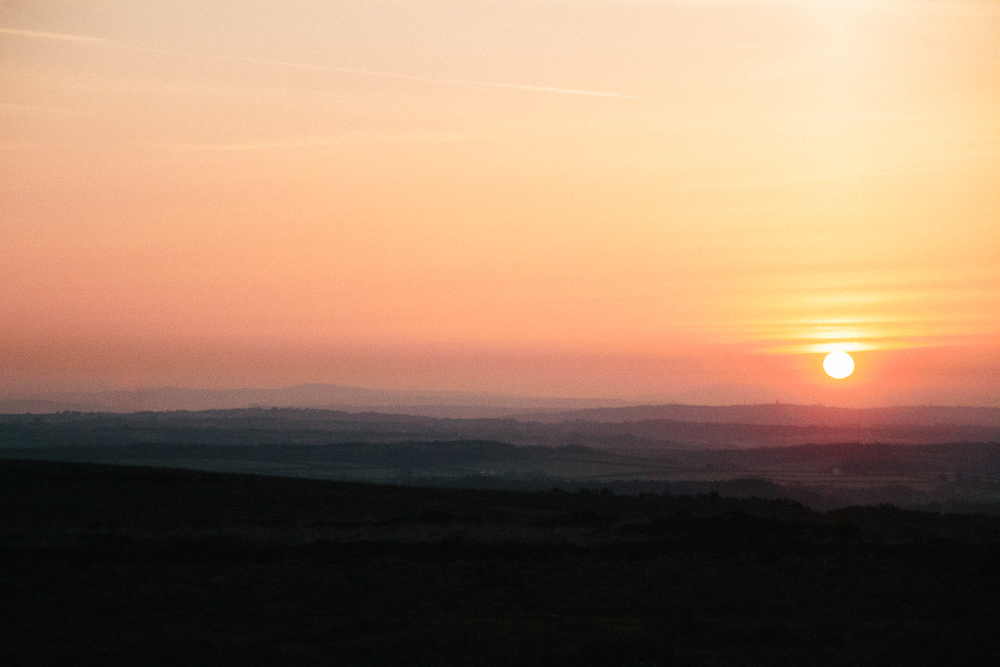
(946, 475)
(122, 565)
(624, 430)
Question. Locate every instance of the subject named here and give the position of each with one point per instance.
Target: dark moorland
(123, 565)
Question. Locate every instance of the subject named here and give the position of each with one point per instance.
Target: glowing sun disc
(838, 365)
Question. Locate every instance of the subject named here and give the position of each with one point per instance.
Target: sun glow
(838, 365)
(524, 197)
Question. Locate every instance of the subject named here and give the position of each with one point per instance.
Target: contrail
(402, 77)
(308, 142)
(95, 41)
(57, 36)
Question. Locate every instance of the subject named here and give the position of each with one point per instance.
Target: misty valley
(949, 467)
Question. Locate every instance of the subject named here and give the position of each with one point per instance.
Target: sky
(674, 199)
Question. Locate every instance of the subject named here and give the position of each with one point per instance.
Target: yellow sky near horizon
(735, 182)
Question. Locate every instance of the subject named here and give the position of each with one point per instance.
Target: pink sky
(585, 198)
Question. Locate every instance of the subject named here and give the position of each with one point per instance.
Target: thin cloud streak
(58, 37)
(407, 77)
(103, 43)
(928, 163)
(818, 51)
(309, 142)
(947, 7)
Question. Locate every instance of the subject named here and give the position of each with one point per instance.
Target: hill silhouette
(326, 396)
(781, 414)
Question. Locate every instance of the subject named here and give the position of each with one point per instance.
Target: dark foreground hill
(118, 565)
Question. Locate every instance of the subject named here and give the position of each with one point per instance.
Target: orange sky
(578, 198)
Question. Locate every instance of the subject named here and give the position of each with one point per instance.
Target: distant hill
(944, 466)
(311, 426)
(452, 404)
(484, 405)
(20, 406)
(780, 414)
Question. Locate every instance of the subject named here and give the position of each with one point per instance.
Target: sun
(838, 365)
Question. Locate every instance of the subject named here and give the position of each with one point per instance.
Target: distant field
(399, 449)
